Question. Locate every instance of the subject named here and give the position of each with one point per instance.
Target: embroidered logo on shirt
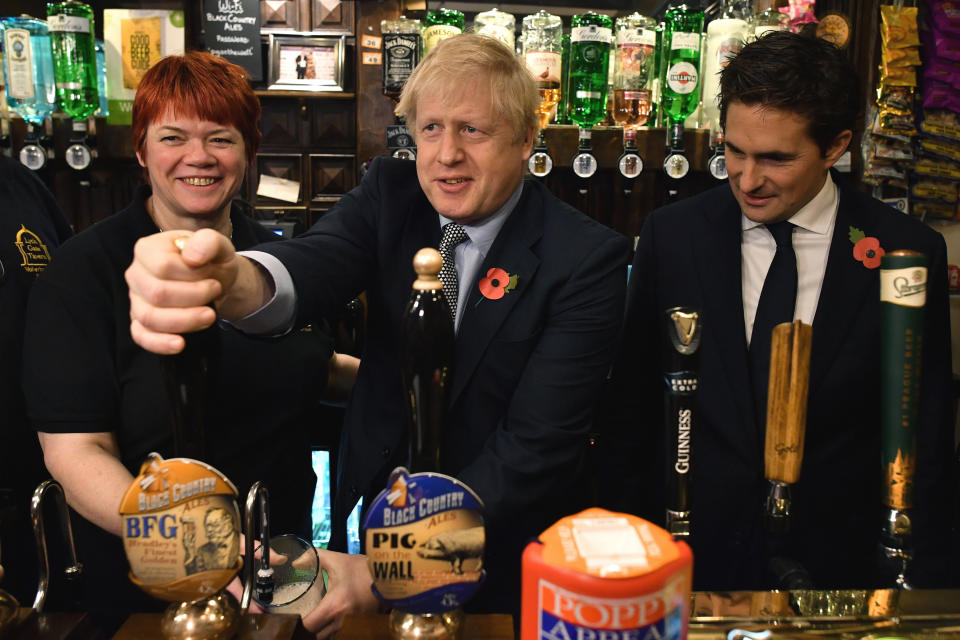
(35, 254)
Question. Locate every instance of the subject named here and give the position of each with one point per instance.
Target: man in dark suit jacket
(528, 364)
(788, 105)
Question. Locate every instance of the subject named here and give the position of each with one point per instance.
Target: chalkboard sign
(232, 31)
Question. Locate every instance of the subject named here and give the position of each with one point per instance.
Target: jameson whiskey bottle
(634, 58)
(542, 53)
(401, 53)
(74, 57)
(590, 36)
(440, 25)
(497, 24)
(680, 80)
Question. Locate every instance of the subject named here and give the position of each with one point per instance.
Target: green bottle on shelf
(74, 57)
(590, 36)
(441, 24)
(680, 79)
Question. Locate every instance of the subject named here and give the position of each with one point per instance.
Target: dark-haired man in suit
(529, 362)
(789, 106)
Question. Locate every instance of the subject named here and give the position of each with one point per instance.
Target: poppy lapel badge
(496, 284)
(866, 249)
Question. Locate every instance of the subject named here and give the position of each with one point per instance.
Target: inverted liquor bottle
(28, 68)
(30, 86)
(540, 42)
(497, 24)
(74, 57)
(75, 70)
(680, 82)
(726, 35)
(767, 17)
(439, 25)
(634, 58)
(401, 53)
(590, 36)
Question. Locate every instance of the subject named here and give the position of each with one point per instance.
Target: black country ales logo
(425, 542)
(181, 529)
(35, 255)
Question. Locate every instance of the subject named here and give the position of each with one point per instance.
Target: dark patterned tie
(451, 235)
(778, 300)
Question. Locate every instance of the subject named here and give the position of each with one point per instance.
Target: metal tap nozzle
(258, 496)
(73, 572)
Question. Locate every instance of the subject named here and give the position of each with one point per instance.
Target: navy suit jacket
(528, 367)
(689, 254)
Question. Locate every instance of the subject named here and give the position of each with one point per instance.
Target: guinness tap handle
(787, 392)
(903, 296)
(427, 346)
(681, 375)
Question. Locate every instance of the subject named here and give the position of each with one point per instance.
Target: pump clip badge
(425, 540)
(181, 529)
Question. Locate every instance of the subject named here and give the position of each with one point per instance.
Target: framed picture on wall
(305, 63)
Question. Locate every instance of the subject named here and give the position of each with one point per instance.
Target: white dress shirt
(811, 243)
(469, 254)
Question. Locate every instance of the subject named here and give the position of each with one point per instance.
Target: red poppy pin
(866, 249)
(496, 284)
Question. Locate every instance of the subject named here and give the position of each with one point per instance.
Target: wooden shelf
(326, 95)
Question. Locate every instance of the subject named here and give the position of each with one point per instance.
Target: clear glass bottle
(28, 68)
(680, 81)
(726, 35)
(634, 59)
(542, 49)
(74, 57)
(401, 53)
(440, 25)
(590, 35)
(497, 24)
(768, 18)
(104, 109)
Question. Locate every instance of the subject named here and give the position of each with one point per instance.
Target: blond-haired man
(528, 364)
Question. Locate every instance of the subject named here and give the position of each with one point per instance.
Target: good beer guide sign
(181, 529)
(425, 541)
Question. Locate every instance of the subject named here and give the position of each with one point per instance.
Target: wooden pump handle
(787, 400)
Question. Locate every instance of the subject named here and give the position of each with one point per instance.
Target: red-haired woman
(99, 401)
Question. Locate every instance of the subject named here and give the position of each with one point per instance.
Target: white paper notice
(279, 189)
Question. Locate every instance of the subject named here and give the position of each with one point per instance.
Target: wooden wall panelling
(282, 123)
(332, 125)
(332, 16)
(288, 166)
(284, 15)
(331, 176)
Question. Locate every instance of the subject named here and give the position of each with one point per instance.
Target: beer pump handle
(787, 392)
(681, 376)
(427, 347)
(903, 282)
(74, 572)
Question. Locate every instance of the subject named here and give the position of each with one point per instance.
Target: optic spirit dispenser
(30, 88)
(75, 70)
(680, 79)
(542, 49)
